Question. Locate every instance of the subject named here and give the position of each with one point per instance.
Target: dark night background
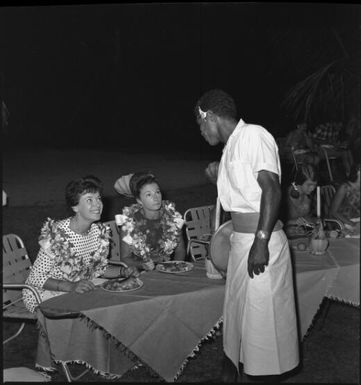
(128, 75)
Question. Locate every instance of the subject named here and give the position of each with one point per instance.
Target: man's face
(208, 128)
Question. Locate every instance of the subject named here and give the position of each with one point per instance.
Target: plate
(174, 267)
(118, 286)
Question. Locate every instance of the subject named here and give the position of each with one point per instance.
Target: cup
(212, 272)
(118, 219)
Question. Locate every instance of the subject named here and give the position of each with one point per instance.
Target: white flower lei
(56, 244)
(171, 222)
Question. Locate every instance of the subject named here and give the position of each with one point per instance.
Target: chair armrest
(199, 241)
(340, 224)
(18, 286)
(119, 263)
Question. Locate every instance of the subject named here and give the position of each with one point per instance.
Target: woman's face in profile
(308, 186)
(150, 197)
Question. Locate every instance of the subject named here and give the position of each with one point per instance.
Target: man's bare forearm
(270, 201)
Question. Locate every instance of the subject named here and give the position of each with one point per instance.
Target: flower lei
(171, 222)
(56, 244)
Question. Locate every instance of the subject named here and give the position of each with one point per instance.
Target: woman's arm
(81, 286)
(336, 205)
(40, 276)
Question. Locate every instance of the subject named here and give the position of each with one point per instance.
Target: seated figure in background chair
(74, 250)
(151, 229)
(328, 138)
(299, 201)
(301, 144)
(345, 205)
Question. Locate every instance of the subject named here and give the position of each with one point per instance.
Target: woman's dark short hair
(76, 188)
(219, 102)
(353, 172)
(140, 179)
(305, 172)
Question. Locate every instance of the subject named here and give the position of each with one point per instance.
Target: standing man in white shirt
(259, 316)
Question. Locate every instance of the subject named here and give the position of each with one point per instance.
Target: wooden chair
(16, 268)
(198, 231)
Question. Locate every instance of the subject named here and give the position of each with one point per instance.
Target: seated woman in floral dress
(299, 201)
(345, 205)
(74, 250)
(151, 228)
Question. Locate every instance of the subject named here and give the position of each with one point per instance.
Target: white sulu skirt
(259, 316)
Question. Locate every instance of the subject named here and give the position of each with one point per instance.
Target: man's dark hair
(219, 102)
(76, 188)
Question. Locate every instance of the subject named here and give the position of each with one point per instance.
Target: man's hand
(258, 257)
(212, 172)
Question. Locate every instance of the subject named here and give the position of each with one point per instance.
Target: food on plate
(174, 266)
(122, 285)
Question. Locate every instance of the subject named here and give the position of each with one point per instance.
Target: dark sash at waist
(248, 222)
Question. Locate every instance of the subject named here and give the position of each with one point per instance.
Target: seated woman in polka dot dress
(74, 250)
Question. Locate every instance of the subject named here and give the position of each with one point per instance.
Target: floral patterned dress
(350, 206)
(66, 255)
(152, 239)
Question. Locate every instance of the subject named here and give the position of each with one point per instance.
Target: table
(335, 275)
(163, 323)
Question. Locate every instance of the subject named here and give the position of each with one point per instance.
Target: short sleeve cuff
(267, 167)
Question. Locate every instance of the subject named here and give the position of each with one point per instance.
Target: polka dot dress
(44, 266)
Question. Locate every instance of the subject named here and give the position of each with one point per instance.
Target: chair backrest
(327, 194)
(114, 246)
(16, 265)
(198, 221)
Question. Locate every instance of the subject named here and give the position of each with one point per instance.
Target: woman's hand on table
(131, 271)
(147, 266)
(83, 286)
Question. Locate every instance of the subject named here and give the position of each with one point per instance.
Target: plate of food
(174, 267)
(122, 285)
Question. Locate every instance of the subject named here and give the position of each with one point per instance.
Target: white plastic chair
(16, 268)
(198, 231)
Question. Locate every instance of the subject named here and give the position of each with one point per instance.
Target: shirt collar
(239, 126)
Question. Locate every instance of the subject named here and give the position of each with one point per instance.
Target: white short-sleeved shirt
(249, 149)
